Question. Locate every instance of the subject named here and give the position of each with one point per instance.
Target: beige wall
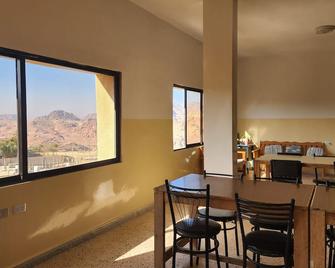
(288, 97)
(151, 56)
(219, 99)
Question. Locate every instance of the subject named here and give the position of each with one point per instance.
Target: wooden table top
(324, 199)
(309, 160)
(262, 191)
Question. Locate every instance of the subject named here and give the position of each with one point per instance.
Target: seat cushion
(268, 224)
(330, 232)
(311, 151)
(293, 149)
(196, 228)
(217, 214)
(273, 149)
(267, 243)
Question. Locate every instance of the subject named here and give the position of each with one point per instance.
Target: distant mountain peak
(62, 115)
(58, 115)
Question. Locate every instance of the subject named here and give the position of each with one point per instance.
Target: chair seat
(218, 214)
(330, 232)
(267, 243)
(269, 224)
(196, 228)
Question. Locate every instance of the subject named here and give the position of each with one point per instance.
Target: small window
(187, 117)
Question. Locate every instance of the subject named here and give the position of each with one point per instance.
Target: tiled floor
(128, 245)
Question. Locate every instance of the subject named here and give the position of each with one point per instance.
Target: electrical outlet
(3, 213)
(19, 208)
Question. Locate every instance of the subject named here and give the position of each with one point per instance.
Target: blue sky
(48, 89)
(179, 96)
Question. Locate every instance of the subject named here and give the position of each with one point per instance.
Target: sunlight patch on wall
(61, 219)
(106, 196)
(103, 197)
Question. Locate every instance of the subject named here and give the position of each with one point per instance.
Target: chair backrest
(184, 203)
(281, 213)
(286, 171)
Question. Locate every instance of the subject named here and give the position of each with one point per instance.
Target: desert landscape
(55, 140)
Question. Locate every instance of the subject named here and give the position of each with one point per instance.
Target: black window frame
(21, 58)
(186, 89)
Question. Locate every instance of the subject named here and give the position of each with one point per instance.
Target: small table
(223, 196)
(322, 213)
(307, 161)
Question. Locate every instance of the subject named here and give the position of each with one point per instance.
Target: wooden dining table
(322, 214)
(306, 161)
(223, 191)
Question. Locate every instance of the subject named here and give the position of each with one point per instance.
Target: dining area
(275, 220)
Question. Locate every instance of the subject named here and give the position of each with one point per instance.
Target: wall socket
(20, 208)
(3, 213)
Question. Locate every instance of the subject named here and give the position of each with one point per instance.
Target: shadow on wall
(103, 197)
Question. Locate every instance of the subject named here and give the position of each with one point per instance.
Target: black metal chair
(286, 171)
(188, 226)
(267, 243)
(225, 217)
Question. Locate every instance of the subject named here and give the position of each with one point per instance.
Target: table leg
(301, 248)
(318, 239)
(257, 168)
(159, 225)
(267, 170)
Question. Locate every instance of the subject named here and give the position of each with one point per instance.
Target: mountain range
(61, 130)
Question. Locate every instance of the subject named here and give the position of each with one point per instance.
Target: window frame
(186, 89)
(24, 176)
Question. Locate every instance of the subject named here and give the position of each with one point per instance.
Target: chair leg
(207, 254)
(191, 252)
(236, 240)
(199, 247)
(258, 261)
(174, 257)
(217, 255)
(244, 258)
(330, 259)
(225, 241)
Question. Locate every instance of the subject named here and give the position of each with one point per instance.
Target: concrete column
(219, 52)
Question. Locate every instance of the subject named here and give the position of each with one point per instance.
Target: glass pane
(8, 119)
(193, 117)
(71, 117)
(178, 118)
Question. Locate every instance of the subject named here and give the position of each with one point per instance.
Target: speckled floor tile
(128, 245)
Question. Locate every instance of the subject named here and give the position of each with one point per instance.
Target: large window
(187, 117)
(55, 116)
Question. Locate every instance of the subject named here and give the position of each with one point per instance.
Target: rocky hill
(59, 130)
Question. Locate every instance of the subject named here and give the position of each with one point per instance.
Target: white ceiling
(265, 26)
(186, 15)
